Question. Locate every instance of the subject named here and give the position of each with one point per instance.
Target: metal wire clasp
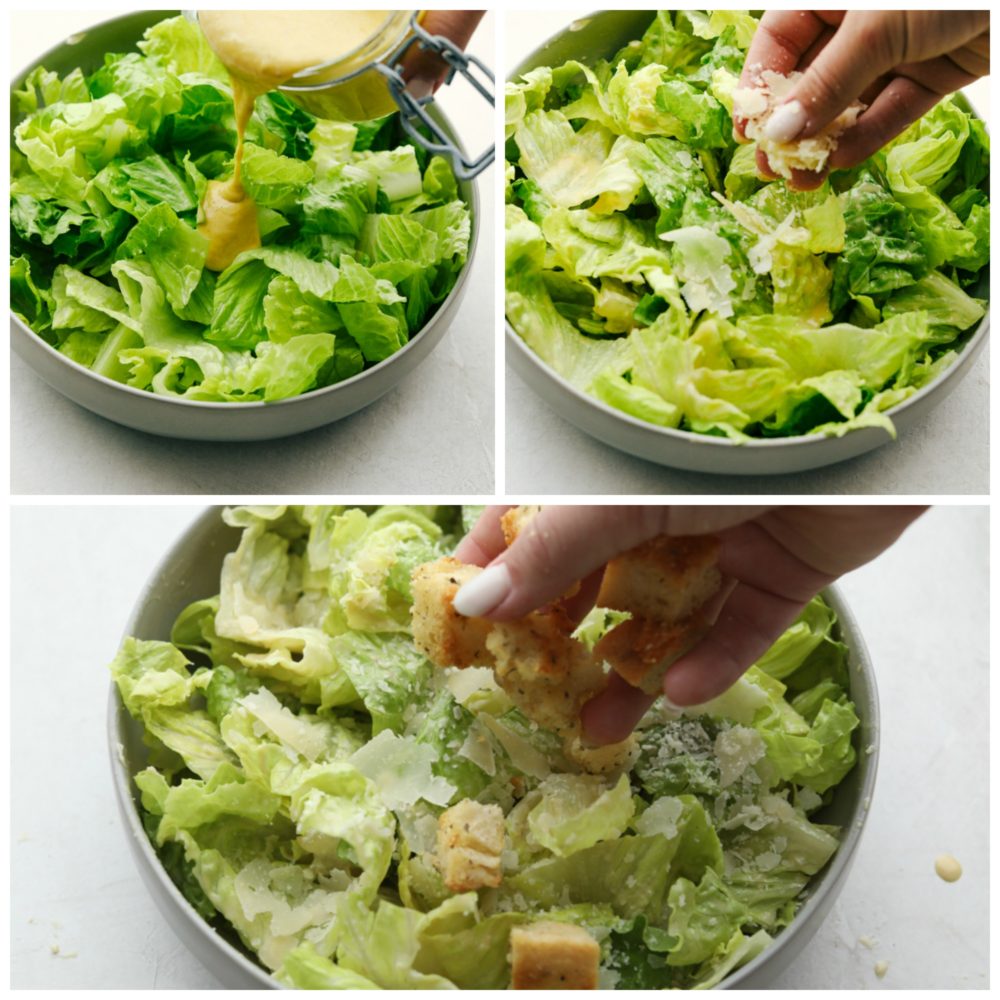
(412, 108)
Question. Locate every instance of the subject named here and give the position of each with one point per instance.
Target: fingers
(801, 180)
(613, 714)
(562, 545)
(781, 42)
(485, 540)
(870, 43)
(782, 39)
(583, 600)
(833, 540)
(423, 70)
(900, 104)
(558, 547)
(749, 624)
(752, 555)
(866, 45)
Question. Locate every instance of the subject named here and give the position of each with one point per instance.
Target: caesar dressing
(262, 49)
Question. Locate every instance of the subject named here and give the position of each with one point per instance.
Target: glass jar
(350, 88)
(367, 83)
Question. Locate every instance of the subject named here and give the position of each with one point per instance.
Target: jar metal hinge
(413, 109)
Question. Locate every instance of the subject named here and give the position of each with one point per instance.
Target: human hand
(425, 71)
(899, 63)
(773, 561)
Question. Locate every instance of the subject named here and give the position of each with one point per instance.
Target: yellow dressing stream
(262, 49)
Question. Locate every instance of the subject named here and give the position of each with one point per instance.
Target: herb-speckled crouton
(443, 635)
(553, 956)
(470, 839)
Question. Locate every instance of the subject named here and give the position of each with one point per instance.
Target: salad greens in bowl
(366, 240)
(669, 299)
(282, 752)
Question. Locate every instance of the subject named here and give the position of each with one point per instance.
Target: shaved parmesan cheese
(478, 749)
(661, 817)
(302, 736)
(737, 749)
(522, 754)
(758, 104)
(700, 260)
(401, 769)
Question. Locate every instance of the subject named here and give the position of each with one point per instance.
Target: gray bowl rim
(22, 329)
(969, 349)
(826, 881)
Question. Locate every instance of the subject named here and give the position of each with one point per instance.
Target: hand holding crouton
(771, 561)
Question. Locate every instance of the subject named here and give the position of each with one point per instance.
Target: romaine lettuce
(362, 238)
(301, 749)
(603, 159)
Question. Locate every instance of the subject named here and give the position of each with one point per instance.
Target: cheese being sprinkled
(757, 104)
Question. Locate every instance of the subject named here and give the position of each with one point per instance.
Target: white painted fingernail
(670, 710)
(483, 592)
(786, 122)
(420, 87)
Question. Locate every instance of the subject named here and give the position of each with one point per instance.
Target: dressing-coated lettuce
(301, 749)
(739, 308)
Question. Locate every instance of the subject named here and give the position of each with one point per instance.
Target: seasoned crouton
(553, 956)
(547, 673)
(641, 651)
(665, 584)
(443, 635)
(664, 579)
(608, 759)
(515, 520)
(470, 839)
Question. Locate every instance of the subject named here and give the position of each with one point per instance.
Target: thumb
(866, 45)
(562, 545)
(425, 70)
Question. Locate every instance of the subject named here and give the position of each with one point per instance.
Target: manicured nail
(670, 709)
(786, 122)
(483, 592)
(420, 87)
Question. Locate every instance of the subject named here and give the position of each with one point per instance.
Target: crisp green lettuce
(110, 168)
(301, 749)
(698, 333)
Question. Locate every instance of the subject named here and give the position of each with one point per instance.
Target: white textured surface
(408, 441)
(947, 453)
(921, 606)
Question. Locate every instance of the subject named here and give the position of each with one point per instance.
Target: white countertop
(432, 432)
(947, 453)
(922, 608)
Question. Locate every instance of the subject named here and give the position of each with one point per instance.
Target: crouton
(609, 759)
(547, 673)
(641, 651)
(443, 635)
(664, 583)
(664, 579)
(515, 520)
(470, 839)
(553, 956)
